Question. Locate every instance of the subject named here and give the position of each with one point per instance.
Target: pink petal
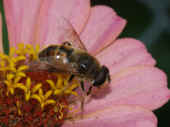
(139, 85)
(103, 26)
(1, 43)
(75, 11)
(21, 16)
(116, 116)
(125, 53)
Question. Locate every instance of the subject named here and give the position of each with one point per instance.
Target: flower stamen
(27, 90)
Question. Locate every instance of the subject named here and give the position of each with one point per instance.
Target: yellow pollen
(58, 109)
(13, 75)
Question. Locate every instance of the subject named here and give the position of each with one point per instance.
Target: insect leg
(82, 98)
(89, 91)
(82, 85)
(82, 106)
(71, 78)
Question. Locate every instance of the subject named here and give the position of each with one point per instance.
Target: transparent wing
(68, 34)
(58, 67)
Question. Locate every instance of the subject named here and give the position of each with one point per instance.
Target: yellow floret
(13, 69)
(62, 86)
(11, 83)
(43, 98)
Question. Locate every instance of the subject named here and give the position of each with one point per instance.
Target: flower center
(32, 98)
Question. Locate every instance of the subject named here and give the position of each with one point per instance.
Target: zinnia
(137, 87)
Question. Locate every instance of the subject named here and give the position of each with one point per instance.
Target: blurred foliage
(4, 29)
(160, 50)
(134, 12)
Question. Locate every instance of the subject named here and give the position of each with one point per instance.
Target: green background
(148, 20)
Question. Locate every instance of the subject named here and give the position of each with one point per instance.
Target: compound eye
(102, 76)
(83, 68)
(85, 62)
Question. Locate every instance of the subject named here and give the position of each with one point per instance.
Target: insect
(67, 59)
(72, 57)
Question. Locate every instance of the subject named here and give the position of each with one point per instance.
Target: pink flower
(137, 86)
(1, 33)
